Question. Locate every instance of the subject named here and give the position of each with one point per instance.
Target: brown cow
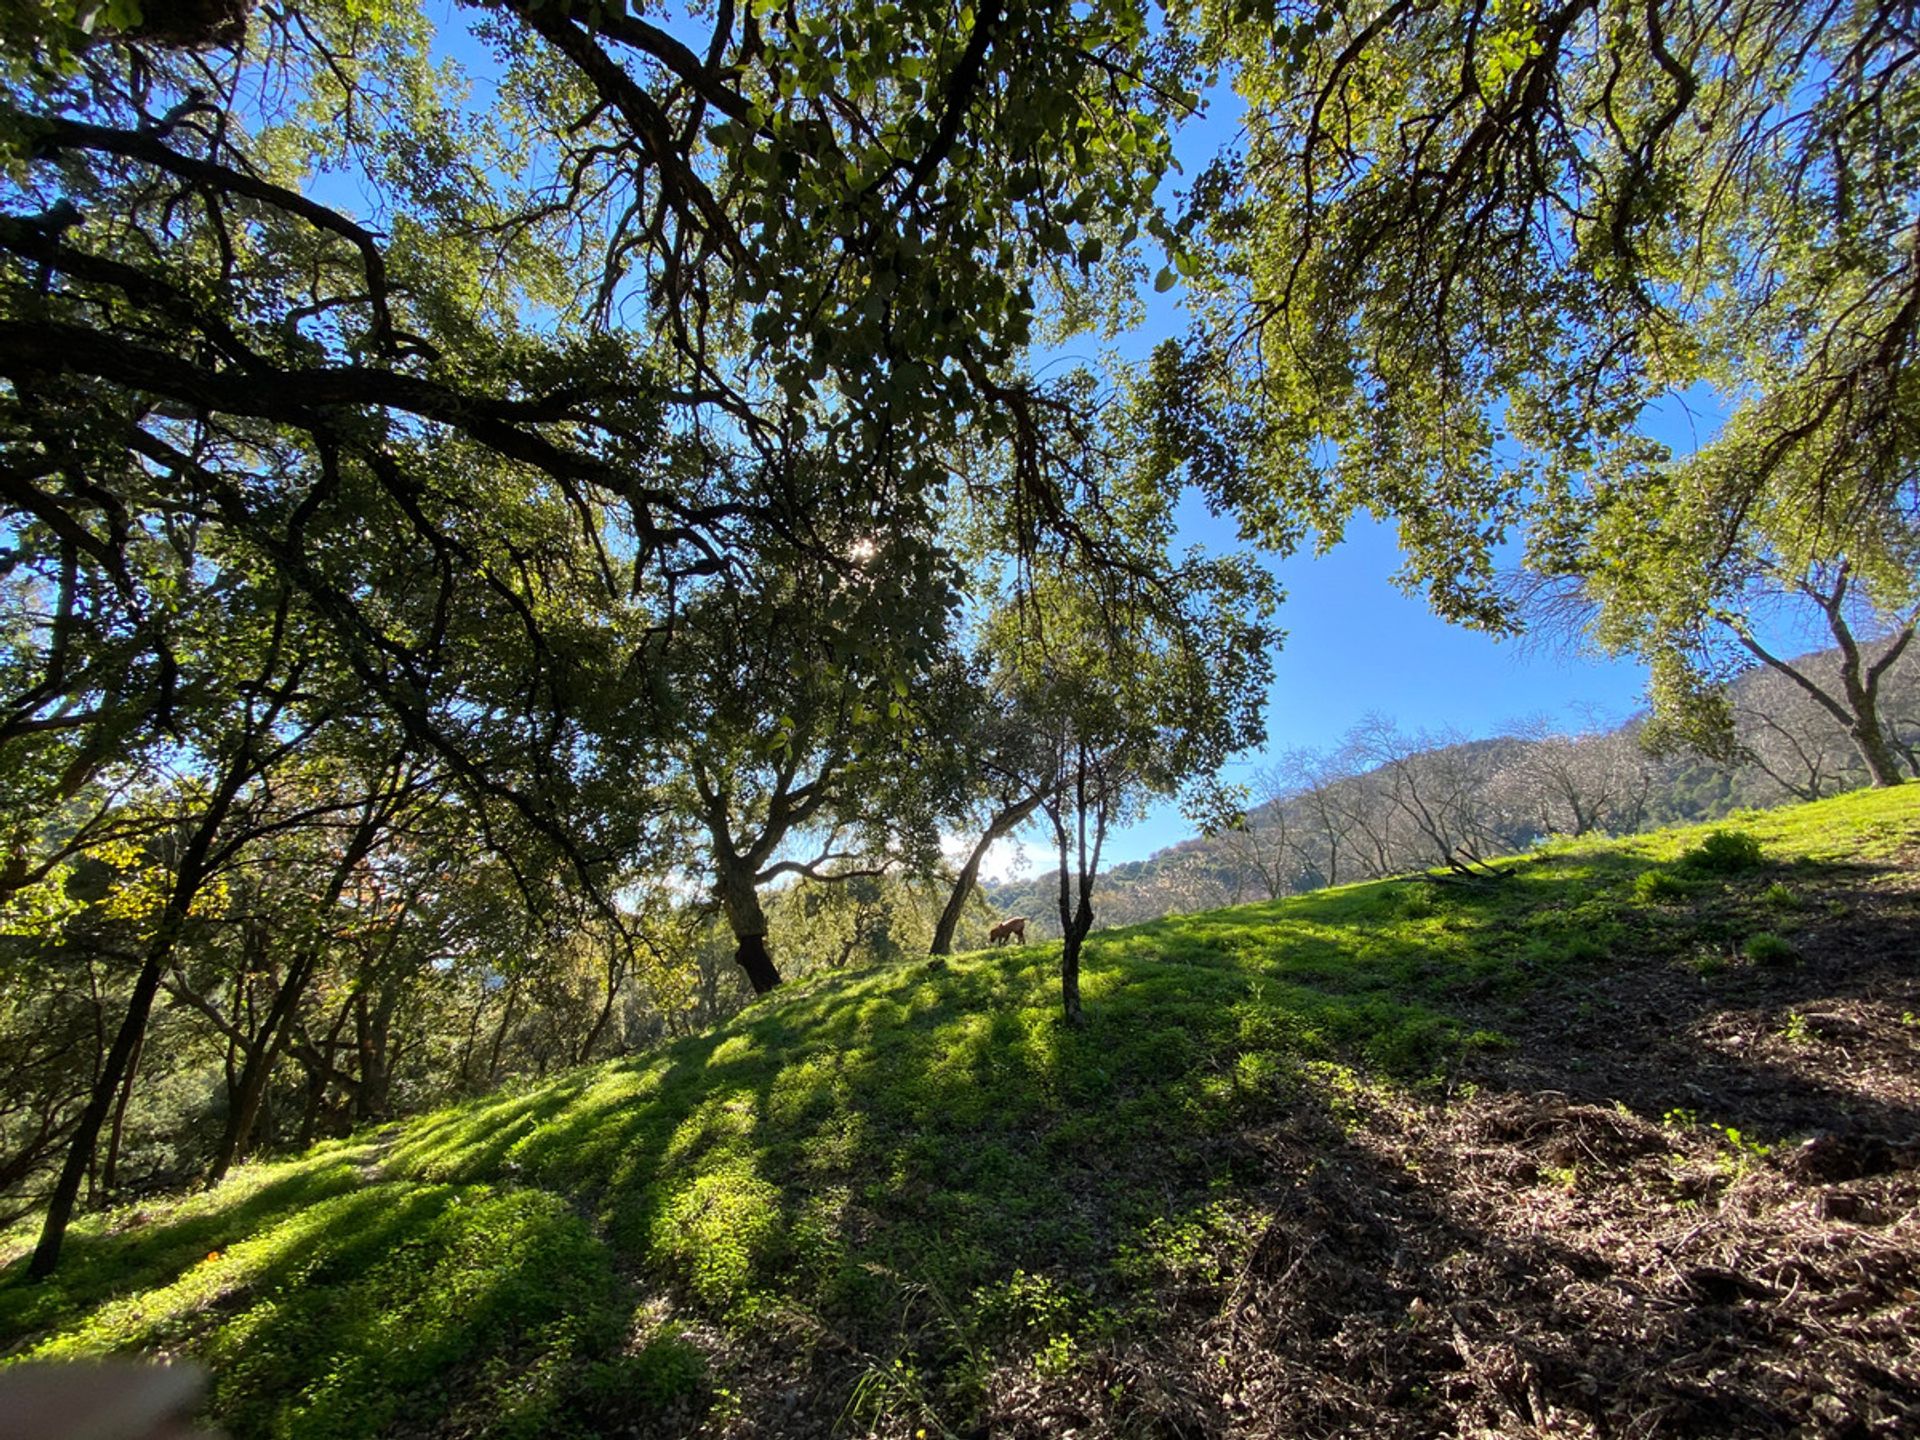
(1014, 929)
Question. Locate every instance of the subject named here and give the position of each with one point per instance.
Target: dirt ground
(1680, 1205)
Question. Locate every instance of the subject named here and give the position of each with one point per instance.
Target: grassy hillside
(1397, 1158)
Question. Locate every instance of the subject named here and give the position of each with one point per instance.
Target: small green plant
(1709, 963)
(1416, 905)
(1056, 1357)
(1795, 1031)
(1742, 1153)
(664, 1370)
(1680, 1119)
(1654, 886)
(891, 1391)
(1724, 852)
(1561, 1177)
(1769, 949)
(1781, 897)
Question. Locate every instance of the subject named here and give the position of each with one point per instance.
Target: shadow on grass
(392, 1307)
(97, 1264)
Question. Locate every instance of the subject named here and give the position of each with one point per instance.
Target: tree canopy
(1463, 247)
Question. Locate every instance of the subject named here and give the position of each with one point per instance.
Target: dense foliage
(1464, 248)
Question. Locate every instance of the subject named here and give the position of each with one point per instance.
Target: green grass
(917, 1160)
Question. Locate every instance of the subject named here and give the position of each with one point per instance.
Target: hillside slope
(1499, 793)
(1620, 1143)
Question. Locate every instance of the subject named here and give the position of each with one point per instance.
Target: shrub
(1652, 886)
(1724, 852)
(1769, 949)
(665, 1369)
(1417, 904)
(722, 1234)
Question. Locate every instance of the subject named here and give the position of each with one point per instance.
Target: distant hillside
(1387, 802)
(1395, 1159)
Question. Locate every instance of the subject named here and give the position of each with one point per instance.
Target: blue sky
(1356, 643)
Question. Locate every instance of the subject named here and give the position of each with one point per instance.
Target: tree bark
(500, 1035)
(86, 1135)
(263, 1052)
(1872, 744)
(1076, 930)
(192, 873)
(1076, 879)
(616, 974)
(1002, 825)
(120, 1115)
(243, 1107)
(1862, 686)
(310, 1107)
(752, 956)
(1859, 716)
(740, 898)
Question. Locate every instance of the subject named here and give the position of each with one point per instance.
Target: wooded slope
(1623, 1138)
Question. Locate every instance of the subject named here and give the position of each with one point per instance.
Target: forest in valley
(529, 527)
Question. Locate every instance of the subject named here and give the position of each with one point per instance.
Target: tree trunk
(246, 1098)
(1872, 744)
(1861, 684)
(1076, 932)
(86, 1135)
(188, 878)
(1003, 824)
(500, 1035)
(1859, 681)
(740, 898)
(752, 956)
(243, 1106)
(616, 973)
(1077, 877)
(310, 1109)
(120, 1115)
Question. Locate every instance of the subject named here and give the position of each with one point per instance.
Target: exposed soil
(1555, 1251)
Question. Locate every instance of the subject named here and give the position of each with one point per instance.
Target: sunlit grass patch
(348, 1316)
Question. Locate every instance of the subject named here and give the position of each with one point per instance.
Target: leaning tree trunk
(616, 973)
(86, 1135)
(120, 1116)
(1002, 825)
(748, 921)
(1863, 699)
(191, 874)
(243, 1107)
(1871, 741)
(263, 1053)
